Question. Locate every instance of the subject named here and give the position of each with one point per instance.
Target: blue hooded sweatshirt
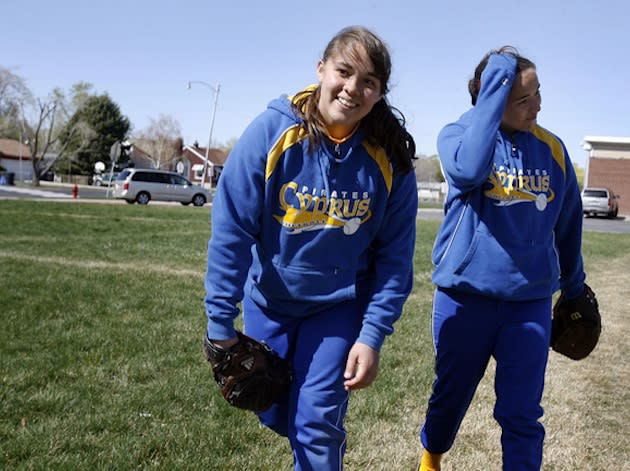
(299, 231)
(513, 214)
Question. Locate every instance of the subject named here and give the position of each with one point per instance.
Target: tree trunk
(35, 180)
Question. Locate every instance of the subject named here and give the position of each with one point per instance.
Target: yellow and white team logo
(306, 209)
(523, 186)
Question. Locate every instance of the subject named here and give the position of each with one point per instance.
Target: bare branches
(160, 139)
(39, 122)
(14, 97)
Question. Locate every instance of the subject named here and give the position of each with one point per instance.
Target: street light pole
(20, 150)
(214, 111)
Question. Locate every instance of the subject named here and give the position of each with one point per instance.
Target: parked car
(104, 179)
(143, 185)
(599, 201)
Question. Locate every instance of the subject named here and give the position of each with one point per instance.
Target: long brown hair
(384, 125)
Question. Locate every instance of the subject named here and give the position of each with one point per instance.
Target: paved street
(86, 193)
(54, 191)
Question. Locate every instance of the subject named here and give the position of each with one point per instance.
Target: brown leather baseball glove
(576, 325)
(250, 375)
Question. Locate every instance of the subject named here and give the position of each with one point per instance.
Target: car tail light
(126, 186)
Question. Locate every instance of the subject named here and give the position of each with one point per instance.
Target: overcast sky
(143, 53)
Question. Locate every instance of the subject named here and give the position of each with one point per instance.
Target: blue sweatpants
(317, 346)
(467, 330)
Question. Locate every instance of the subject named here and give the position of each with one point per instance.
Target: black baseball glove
(250, 375)
(576, 325)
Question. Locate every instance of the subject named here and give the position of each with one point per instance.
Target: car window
(596, 193)
(178, 180)
(163, 178)
(123, 175)
(141, 177)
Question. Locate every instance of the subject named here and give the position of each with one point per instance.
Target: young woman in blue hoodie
(314, 230)
(510, 238)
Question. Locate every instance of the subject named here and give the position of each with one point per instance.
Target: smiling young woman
(314, 228)
(349, 89)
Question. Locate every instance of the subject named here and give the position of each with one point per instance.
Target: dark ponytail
(474, 84)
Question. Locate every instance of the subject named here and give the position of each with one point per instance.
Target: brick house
(189, 162)
(608, 165)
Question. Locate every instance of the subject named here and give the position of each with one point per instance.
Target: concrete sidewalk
(32, 192)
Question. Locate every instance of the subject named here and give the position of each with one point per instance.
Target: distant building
(16, 158)
(192, 160)
(189, 162)
(608, 165)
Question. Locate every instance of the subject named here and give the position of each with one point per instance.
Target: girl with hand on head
(314, 231)
(510, 238)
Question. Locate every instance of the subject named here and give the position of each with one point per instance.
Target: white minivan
(600, 201)
(139, 185)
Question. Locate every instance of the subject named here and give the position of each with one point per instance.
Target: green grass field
(100, 351)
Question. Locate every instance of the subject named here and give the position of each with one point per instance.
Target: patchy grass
(101, 364)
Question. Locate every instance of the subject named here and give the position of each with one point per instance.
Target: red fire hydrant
(75, 191)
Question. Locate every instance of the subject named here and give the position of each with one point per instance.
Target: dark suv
(136, 185)
(599, 201)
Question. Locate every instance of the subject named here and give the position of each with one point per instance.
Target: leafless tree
(428, 169)
(13, 93)
(40, 120)
(160, 140)
(42, 125)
